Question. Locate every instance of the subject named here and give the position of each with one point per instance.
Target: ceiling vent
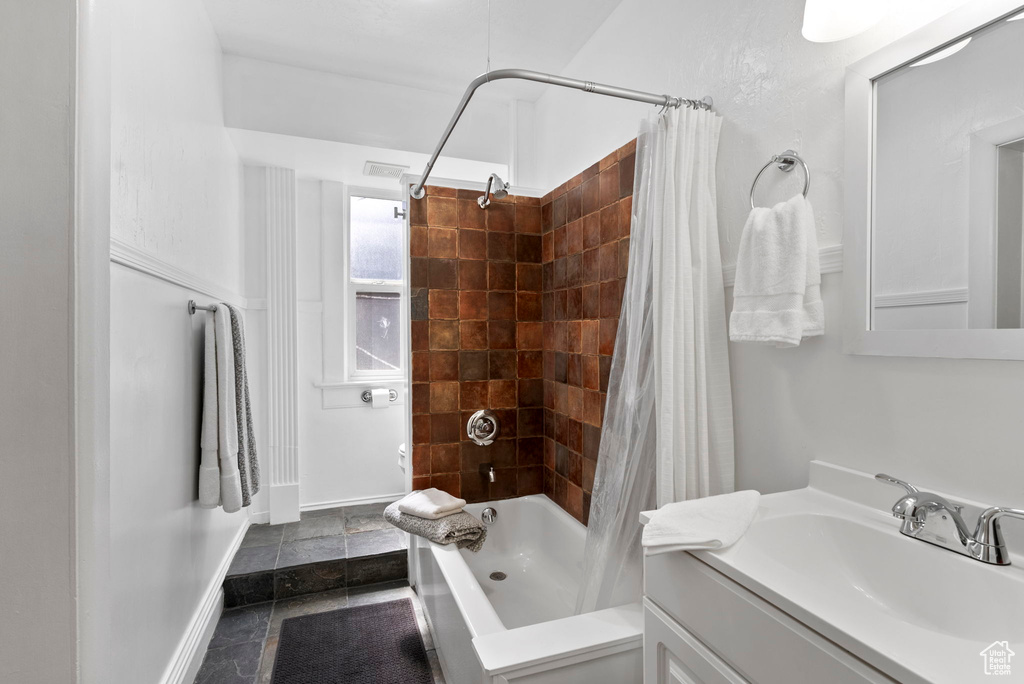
(383, 170)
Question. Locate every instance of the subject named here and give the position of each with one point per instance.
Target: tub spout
(490, 473)
(488, 470)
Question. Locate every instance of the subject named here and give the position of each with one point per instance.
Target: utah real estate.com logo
(997, 657)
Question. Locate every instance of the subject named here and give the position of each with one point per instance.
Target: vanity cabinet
(701, 627)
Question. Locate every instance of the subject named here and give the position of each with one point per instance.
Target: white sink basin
(881, 570)
(917, 612)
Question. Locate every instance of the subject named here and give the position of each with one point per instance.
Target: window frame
(352, 286)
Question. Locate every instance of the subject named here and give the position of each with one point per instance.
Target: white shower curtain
(693, 395)
(667, 431)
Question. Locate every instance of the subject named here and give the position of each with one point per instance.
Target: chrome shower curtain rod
(551, 79)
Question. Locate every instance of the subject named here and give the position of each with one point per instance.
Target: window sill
(345, 395)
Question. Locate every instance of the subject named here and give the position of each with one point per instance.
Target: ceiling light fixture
(943, 53)
(826, 21)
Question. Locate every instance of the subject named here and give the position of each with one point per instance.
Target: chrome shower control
(489, 516)
(482, 427)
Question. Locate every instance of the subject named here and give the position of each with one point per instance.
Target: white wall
(349, 452)
(346, 454)
(37, 476)
(175, 179)
(175, 193)
(948, 424)
(275, 98)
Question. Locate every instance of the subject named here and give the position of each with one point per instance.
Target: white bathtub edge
(476, 609)
(589, 633)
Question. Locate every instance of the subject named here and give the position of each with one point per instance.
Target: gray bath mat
(373, 644)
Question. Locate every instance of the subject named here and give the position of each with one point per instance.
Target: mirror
(936, 135)
(928, 117)
(1008, 285)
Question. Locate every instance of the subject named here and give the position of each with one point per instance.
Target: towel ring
(785, 161)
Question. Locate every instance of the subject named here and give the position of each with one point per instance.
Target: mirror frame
(858, 338)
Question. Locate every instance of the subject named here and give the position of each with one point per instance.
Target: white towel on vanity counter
(777, 296)
(430, 504)
(713, 522)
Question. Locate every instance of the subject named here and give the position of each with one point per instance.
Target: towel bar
(193, 307)
(786, 161)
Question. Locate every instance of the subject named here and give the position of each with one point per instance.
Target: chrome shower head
(500, 189)
(495, 188)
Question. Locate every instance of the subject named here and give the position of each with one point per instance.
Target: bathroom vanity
(824, 588)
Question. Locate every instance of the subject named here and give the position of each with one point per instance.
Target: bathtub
(521, 629)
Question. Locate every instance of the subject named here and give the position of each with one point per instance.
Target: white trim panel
(343, 395)
(282, 344)
(140, 260)
(953, 295)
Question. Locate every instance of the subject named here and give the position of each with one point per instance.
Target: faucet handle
(889, 479)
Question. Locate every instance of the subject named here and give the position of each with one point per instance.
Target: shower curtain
(667, 431)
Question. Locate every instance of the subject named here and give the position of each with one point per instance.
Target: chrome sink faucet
(936, 520)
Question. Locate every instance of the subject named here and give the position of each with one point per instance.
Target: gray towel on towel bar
(460, 528)
(248, 464)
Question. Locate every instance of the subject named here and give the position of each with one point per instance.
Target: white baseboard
(260, 518)
(189, 655)
(263, 517)
(352, 502)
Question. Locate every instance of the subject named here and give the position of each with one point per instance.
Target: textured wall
(477, 341)
(773, 88)
(175, 178)
(586, 253)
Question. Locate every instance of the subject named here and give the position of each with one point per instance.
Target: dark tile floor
(329, 549)
(244, 644)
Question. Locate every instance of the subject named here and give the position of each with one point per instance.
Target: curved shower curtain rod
(417, 191)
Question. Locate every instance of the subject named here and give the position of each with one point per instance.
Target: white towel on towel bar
(209, 467)
(219, 482)
(227, 418)
(248, 463)
(777, 296)
(713, 522)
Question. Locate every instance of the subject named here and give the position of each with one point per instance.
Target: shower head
(496, 188)
(500, 189)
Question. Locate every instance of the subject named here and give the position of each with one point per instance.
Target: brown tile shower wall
(585, 251)
(477, 342)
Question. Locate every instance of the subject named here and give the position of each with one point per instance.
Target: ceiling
(431, 44)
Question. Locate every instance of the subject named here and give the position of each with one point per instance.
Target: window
(376, 283)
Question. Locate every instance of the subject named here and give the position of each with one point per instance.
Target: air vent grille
(383, 170)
